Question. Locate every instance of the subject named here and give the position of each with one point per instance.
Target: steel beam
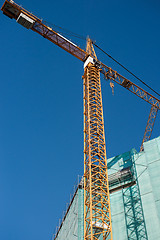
(97, 213)
(149, 126)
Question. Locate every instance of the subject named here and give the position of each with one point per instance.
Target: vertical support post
(149, 126)
(133, 209)
(97, 213)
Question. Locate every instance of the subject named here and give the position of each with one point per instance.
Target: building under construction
(134, 195)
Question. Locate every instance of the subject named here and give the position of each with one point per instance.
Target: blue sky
(41, 104)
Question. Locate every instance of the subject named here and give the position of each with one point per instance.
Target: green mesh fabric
(135, 210)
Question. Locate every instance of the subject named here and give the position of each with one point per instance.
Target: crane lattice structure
(97, 214)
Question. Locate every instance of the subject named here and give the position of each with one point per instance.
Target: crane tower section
(97, 214)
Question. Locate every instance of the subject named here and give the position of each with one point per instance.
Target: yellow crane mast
(97, 214)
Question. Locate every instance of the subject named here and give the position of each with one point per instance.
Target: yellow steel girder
(97, 214)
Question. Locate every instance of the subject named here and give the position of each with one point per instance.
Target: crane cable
(126, 69)
(64, 31)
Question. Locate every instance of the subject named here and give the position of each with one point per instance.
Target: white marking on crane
(88, 60)
(67, 39)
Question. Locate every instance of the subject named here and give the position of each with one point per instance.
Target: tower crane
(97, 212)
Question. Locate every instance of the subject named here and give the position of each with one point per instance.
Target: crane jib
(28, 20)
(59, 40)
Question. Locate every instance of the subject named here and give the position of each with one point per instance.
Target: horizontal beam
(111, 74)
(59, 40)
(13, 11)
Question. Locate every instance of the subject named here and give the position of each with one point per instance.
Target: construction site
(134, 193)
(116, 198)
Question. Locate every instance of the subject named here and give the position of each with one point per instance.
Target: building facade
(134, 181)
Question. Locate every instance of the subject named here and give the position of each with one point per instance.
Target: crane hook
(112, 86)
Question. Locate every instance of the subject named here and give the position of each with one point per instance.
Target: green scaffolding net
(134, 181)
